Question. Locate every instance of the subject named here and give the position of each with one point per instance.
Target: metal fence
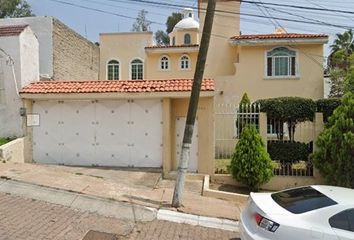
(225, 130)
(229, 121)
(281, 132)
(231, 118)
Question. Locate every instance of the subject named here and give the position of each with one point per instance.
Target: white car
(311, 212)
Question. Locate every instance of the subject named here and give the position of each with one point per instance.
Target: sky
(122, 13)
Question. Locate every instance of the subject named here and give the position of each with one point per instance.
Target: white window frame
(288, 76)
(162, 62)
(131, 68)
(119, 69)
(189, 62)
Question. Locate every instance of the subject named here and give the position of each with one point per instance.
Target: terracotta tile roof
(12, 30)
(120, 86)
(278, 36)
(173, 46)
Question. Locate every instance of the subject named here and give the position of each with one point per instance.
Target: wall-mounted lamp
(22, 112)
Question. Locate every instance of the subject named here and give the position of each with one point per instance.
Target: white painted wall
(43, 29)
(29, 48)
(23, 50)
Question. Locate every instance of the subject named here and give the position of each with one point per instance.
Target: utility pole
(193, 105)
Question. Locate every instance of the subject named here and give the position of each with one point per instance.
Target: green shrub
(243, 107)
(334, 156)
(327, 106)
(4, 140)
(290, 110)
(251, 164)
(287, 151)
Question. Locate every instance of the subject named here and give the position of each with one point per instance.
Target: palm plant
(341, 49)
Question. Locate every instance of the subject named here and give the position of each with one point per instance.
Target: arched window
(281, 61)
(185, 63)
(137, 69)
(173, 41)
(113, 70)
(164, 63)
(187, 38)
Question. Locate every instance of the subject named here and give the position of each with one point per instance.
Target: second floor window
(137, 69)
(164, 63)
(185, 62)
(281, 62)
(113, 70)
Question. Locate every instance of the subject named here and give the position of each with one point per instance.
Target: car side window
(343, 220)
(351, 219)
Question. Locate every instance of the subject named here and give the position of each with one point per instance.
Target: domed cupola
(187, 22)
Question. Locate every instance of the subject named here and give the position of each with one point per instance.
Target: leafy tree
(173, 20)
(334, 156)
(289, 110)
(142, 24)
(250, 163)
(15, 8)
(341, 60)
(343, 45)
(161, 38)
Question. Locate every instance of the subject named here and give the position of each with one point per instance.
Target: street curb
(108, 207)
(84, 202)
(210, 222)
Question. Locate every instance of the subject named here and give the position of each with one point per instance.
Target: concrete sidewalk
(145, 188)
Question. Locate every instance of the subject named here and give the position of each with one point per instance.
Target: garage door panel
(78, 132)
(146, 129)
(47, 136)
(112, 132)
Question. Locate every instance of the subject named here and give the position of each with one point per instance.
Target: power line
(301, 7)
(238, 13)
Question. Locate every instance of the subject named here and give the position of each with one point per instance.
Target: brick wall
(74, 57)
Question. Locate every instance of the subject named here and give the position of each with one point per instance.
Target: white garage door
(104, 133)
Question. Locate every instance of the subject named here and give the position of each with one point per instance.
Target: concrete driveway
(140, 186)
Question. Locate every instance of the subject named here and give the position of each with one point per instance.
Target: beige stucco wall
(74, 57)
(221, 55)
(123, 47)
(153, 70)
(250, 76)
(205, 132)
(179, 36)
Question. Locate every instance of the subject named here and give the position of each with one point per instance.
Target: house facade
(19, 66)
(134, 115)
(63, 53)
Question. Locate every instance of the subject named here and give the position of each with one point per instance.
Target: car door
(342, 224)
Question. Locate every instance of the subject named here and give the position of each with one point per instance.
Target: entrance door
(193, 161)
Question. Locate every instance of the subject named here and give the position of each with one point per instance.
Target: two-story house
(137, 110)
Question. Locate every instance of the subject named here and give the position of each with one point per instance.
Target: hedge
(290, 110)
(327, 106)
(295, 109)
(287, 151)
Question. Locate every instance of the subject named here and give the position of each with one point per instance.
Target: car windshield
(301, 200)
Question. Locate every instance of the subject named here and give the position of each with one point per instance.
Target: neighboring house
(63, 53)
(136, 112)
(19, 66)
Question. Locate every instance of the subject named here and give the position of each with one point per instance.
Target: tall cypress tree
(334, 156)
(250, 162)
